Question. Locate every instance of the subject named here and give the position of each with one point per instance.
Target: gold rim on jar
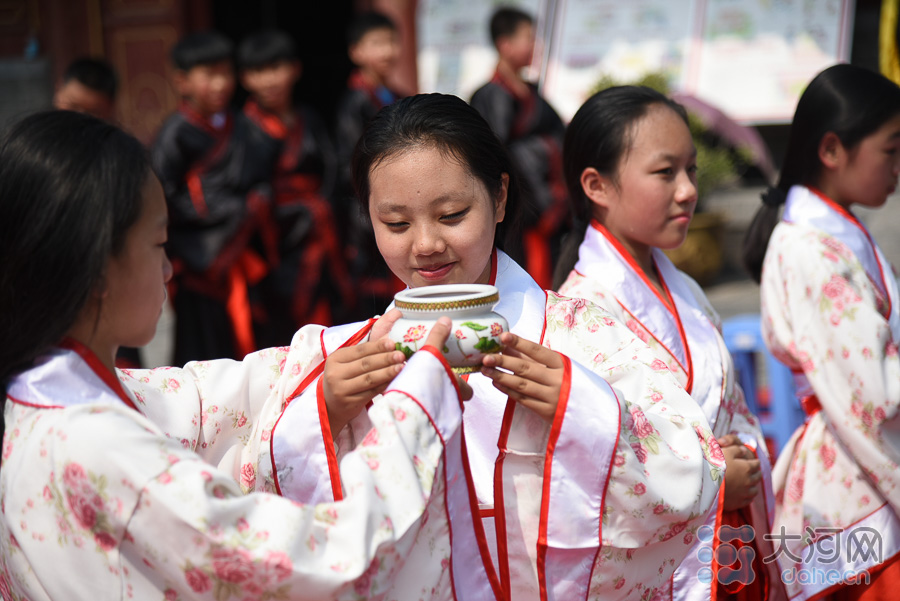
(467, 303)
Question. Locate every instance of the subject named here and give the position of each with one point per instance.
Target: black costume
(374, 282)
(220, 236)
(533, 133)
(310, 283)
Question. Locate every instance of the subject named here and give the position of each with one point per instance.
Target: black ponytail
(756, 240)
(849, 101)
(568, 251)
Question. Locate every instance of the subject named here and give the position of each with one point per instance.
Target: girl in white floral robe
(596, 498)
(99, 503)
(638, 191)
(830, 313)
(603, 502)
(684, 332)
(96, 502)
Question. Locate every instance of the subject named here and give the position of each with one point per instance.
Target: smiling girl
(631, 168)
(590, 467)
(831, 312)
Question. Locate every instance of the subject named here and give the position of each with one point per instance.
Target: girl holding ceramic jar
(589, 467)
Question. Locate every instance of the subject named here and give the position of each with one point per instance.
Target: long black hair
(599, 136)
(449, 124)
(70, 188)
(849, 101)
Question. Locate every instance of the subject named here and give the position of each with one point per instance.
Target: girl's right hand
(742, 473)
(354, 375)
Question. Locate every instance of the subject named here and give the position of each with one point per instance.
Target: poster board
(751, 58)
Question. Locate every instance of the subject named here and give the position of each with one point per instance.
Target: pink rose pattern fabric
(822, 315)
(734, 417)
(97, 500)
(656, 455)
(661, 428)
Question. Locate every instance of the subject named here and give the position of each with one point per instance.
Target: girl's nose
(687, 188)
(429, 241)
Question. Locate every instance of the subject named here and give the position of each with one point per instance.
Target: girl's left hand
(742, 473)
(536, 378)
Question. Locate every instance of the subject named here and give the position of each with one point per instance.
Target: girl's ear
(832, 153)
(597, 187)
(500, 204)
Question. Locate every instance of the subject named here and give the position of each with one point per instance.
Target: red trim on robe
(555, 429)
(478, 515)
(34, 405)
(668, 301)
(98, 368)
(437, 354)
(222, 137)
(328, 441)
(846, 214)
(309, 379)
(606, 484)
(652, 335)
(499, 503)
(268, 122)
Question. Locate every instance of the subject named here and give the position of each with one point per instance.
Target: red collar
(665, 298)
(98, 368)
(202, 122)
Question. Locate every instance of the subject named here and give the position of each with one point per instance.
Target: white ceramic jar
(476, 328)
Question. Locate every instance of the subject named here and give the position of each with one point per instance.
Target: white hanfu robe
(830, 313)
(97, 503)
(600, 504)
(683, 330)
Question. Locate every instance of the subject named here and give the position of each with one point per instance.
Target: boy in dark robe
(310, 283)
(220, 240)
(374, 48)
(533, 132)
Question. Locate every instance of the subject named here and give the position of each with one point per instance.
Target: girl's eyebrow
(400, 208)
(666, 156)
(390, 208)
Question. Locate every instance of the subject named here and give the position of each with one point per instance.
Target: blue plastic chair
(782, 415)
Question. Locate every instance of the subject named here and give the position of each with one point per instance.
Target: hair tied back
(774, 197)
